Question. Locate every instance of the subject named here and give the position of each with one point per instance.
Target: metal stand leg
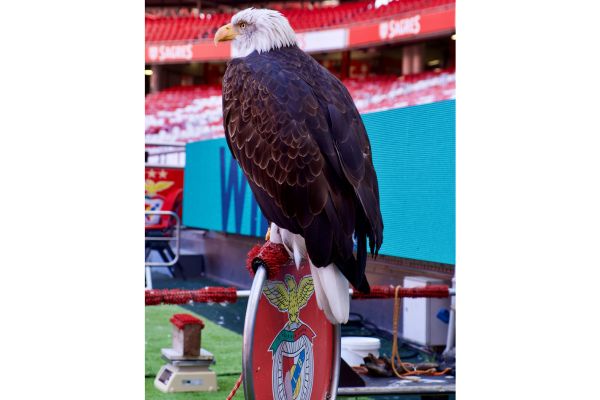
(148, 270)
(164, 255)
(450, 339)
(177, 264)
(148, 277)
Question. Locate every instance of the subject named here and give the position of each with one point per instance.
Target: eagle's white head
(256, 29)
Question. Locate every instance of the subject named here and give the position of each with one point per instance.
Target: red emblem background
(270, 321)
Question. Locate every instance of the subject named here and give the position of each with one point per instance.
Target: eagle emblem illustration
(154, 187)
(291, 299)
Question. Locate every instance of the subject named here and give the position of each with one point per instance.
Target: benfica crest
(154, 201)
(291, 349)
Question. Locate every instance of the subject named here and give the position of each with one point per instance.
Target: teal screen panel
(217, 196)
(414, 156)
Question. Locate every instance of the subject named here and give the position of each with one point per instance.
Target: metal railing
(176, 237)
(158, 153)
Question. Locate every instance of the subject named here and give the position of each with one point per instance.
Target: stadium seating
(203, 26)
(185, 114)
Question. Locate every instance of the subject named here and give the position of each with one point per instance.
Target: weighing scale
(186, 373)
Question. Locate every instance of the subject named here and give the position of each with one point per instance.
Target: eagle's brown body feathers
(300, 141)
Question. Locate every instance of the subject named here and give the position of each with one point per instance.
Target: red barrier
(179, 296)
(230, 294)
(387, 292)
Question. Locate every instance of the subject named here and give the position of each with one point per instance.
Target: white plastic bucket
(355, 348)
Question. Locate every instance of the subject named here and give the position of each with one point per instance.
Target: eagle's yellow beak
(225, 33)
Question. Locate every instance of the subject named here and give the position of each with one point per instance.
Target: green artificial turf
(223, 343)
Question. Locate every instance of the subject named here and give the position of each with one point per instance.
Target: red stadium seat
(190, 27)
(195, 112)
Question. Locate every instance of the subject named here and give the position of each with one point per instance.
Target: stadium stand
(186, 26)
(190, 113)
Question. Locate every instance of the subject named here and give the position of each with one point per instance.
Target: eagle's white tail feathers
(331, 289)
(331, 286)
(322, 302)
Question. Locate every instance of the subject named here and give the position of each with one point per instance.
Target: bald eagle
(300, 141)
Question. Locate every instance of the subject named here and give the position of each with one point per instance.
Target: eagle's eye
(242, 25)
